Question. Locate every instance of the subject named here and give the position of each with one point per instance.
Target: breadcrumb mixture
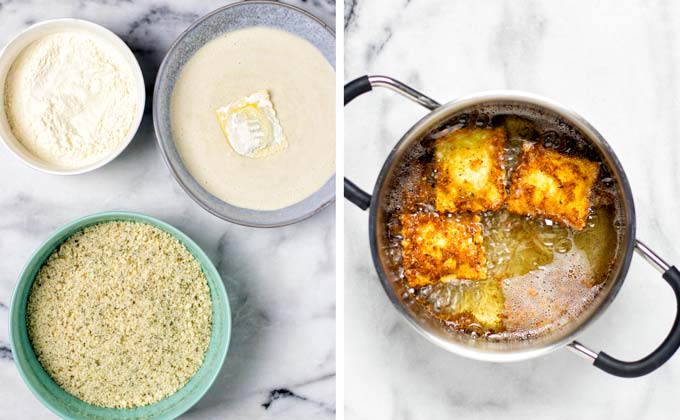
(120, 315)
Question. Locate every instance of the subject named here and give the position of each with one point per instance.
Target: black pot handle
(356, 195)
(659, 356)
(358, 87)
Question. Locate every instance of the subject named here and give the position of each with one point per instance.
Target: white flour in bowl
(70, 99)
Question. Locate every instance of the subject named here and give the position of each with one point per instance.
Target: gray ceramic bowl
(230, 18)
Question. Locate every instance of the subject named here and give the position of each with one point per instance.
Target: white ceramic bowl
(14, 47)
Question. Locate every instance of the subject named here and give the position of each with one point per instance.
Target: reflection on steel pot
(534, 345)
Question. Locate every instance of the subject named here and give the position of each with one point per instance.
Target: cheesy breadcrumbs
(554, 185)
(120, 315)
(434, 247)
(470, 175)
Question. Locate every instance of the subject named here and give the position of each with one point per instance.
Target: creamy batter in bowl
(72, 96)
(180, 150)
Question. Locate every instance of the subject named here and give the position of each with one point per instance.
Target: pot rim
(442, 113)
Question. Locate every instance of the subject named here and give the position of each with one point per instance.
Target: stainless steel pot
(465, 345)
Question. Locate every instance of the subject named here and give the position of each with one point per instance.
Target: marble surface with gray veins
(617, 64)
(281, 362)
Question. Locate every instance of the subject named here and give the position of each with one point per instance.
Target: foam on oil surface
(548, 297)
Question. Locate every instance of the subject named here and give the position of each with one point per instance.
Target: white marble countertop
(281, 362)
(618, 65)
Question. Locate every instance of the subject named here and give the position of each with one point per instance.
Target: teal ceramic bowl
(69, 407)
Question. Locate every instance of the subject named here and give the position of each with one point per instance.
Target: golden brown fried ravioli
(470, 172)
(434, 246)
(554, 185)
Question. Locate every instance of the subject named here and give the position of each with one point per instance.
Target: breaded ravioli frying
(435, 246)
(554, 185)
(470, 174)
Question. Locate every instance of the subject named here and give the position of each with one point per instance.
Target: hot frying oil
(540, 274)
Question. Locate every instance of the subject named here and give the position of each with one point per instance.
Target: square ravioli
(470, 173)
(554, 185)
(251, 126)
(435, 246)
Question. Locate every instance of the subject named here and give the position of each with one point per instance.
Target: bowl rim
(106, 35)
(96, 218)
(175, 175)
